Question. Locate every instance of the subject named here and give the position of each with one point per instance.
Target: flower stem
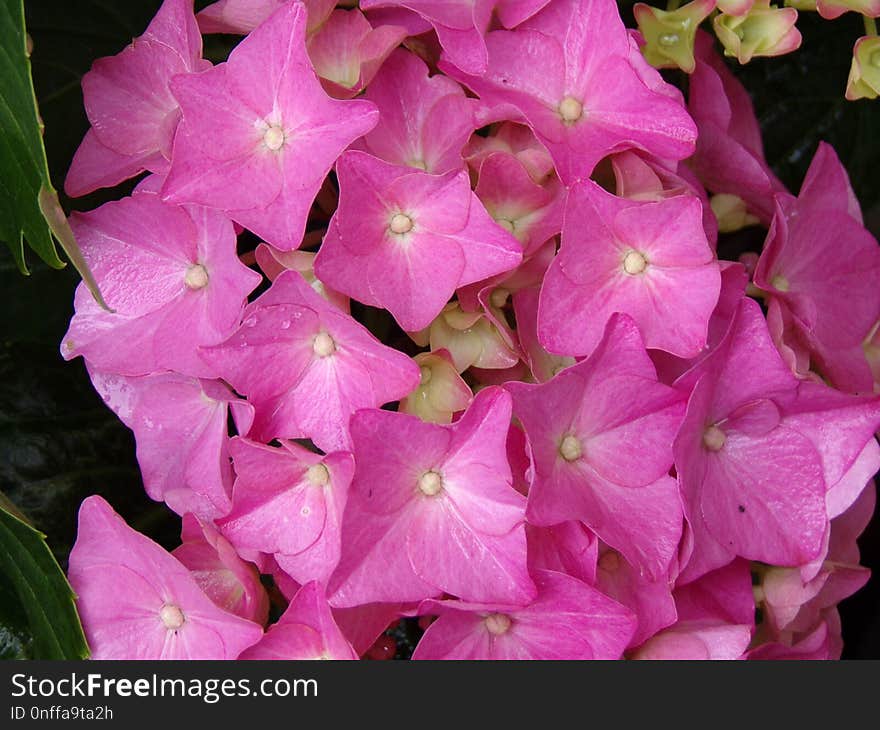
(870, 25)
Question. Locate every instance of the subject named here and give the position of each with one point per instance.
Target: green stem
(870, 25)
(672, 5)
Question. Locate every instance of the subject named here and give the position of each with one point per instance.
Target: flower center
(318, 475)
(874, 59)
(634, 263)
(172, 617)
(779, 282)
(570, 448)
(714, 438)
(400, 224)
(426, 375)
(498, 623)
(323, 345)
(570, 109)
(430, 483)
(274, 138)
(196, 277)
(668, 39)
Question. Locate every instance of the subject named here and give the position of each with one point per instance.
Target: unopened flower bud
(669, 35)
(731, 213)
(765, 30)
(864, 74)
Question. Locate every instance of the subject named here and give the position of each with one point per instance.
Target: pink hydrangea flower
(405, 240)
(733, 429)
(306, 366)
(431, 510)
(132, 113)
(649, 260)
(581, 428)
(136, 601)
(424, 121)
(180, 428)
(289, 502)
(532, 213)
(347, 51)
(567, 620)
(172, 279)
(226, 579)
(306, 630)
(817, 247)
(574, 76)
(258, 133)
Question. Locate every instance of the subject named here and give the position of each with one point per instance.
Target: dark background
(59, 443)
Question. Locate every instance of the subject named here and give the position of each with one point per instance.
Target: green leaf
(22, 157)
(29, 207)
(31, 583)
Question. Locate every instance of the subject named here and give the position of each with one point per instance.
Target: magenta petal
(306, 630)
(96, 166)
(423, 491)
(259, 128)
(567, 620)
(171, 276)
(649, 260)
(138, 602)
(226, 579)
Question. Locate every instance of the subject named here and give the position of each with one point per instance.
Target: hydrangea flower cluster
(581, 435)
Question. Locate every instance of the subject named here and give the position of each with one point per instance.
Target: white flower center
(323, 345)
(400, 224)
(714, 438)
(196, 277)
(274, 138)
(668, 39)
(172, 617)
(570, 449)
(426, 375)
(430, 483)
(634, 263)
(780, 283)
(570, 109)
(318, 475)
(498, 623)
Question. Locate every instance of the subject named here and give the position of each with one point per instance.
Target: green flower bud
(765, 30)
(669, 35)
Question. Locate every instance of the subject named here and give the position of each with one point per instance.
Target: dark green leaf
(23, 167)
(29, 207)
(41, 590)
